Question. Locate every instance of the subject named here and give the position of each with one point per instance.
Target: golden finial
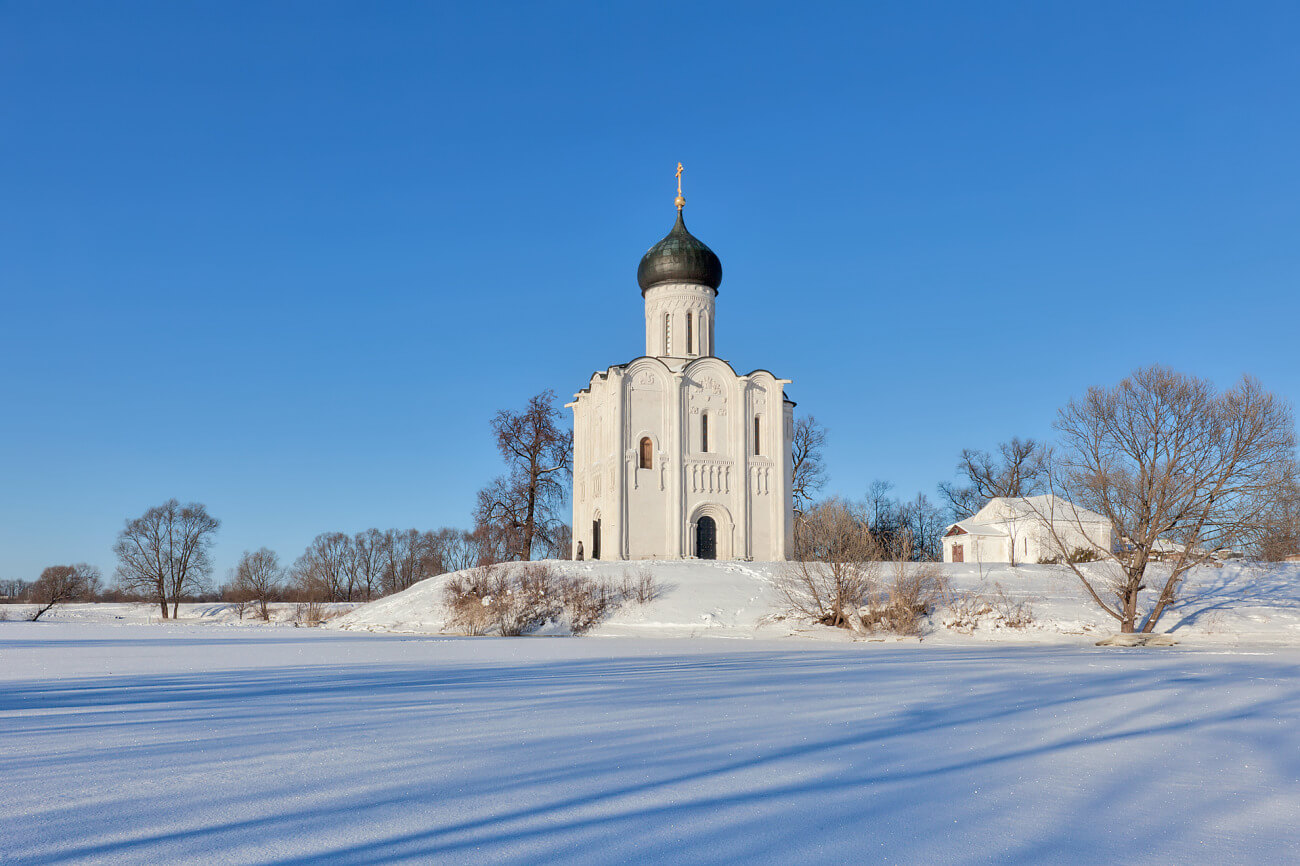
(679, 201)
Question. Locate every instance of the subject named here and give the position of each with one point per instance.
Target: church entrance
(595, 539)
(706, 539)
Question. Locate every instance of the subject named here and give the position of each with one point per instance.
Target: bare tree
(14, 588)
(60, 584)
(323, 571)
(882, 510)
(410, 557)
(462, 549)
(1019, 468)
(259, 578)
(1280, 536)
(807, 448)
(1169, 461)
(369, 553)
(520, 511)
(836, 563)
(166, 552)
(924, 523)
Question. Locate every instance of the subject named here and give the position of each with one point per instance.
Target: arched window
(758, 449)
(689, 343)
(704, 432)
(704, 330)
(646, 456)
(668, 334)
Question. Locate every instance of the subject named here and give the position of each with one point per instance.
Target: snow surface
(123, 739)
(1239, 604)
(182, 743)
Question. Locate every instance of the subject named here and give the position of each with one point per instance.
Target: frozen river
(149, 744)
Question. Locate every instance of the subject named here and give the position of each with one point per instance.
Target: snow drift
(1239, 602)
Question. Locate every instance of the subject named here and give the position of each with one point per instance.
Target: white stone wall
(1031, 540)
(667, 308)
(652, 513)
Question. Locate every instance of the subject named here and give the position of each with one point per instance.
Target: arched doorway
(595, 538)
(706, 538)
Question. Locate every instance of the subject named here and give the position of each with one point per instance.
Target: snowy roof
(1045, 505)
(970, 527)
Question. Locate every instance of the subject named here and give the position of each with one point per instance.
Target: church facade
(676, 456)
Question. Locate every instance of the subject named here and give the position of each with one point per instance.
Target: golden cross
(679, 178)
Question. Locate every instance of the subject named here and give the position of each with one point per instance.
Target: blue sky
(287, 259)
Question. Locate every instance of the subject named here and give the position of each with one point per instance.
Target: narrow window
(704, 430)
(668, 335)
(689, 335)
(757, 449)
(645, 453)
(704, 330)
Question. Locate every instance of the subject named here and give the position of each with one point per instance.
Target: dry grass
(310, 614)
(515, 600)
(640, 586)
(901, 603)
(991, 608)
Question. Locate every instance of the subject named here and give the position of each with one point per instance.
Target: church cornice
(685, 369)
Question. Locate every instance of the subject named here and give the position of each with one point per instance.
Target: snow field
(147, 744)
(1238, 604)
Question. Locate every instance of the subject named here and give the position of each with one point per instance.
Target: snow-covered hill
(1239, 603)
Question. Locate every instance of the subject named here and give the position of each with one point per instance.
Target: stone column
(675, 444)
(739, 425)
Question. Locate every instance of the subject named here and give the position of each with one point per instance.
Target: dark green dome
(679, 258)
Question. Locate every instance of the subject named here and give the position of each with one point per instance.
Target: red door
(958, 555)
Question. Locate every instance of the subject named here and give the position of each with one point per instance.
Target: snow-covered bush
(640, 586)
(900, 603)
(990, 608)
(468, 597)
(1082, 554)
(311, 613)
(838, 563)
(518, 599)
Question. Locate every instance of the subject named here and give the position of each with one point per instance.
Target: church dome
(679, 258)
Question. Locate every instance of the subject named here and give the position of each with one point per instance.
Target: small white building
(675, 454)
(1026, 529)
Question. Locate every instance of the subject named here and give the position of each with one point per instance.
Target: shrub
(468, 597)
(309, 613)
(901, 604)
(993, 608)
(1082, 554)
(518, 599)
(588, 601)
(838, 563)
(524, 599)
(1054, 559)
(640, 586)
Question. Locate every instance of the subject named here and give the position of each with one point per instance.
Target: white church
(675, 455)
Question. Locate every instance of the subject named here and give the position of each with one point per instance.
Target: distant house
(1017, 530)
